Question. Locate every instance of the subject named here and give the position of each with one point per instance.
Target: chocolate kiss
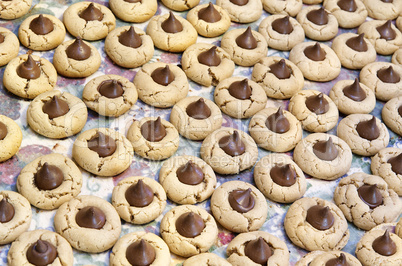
(368, 129)
(209, 14)
(354, 91)
(198, 110)
(315, 52)
(387, 1)
(153, 130)
(241, 200)
(140, 253)
(258, 251)
(102, 144)
(386, 31)
(78, 50)
(370, 195)
(339, 261)
(357, 43)
(130, 38)
(29, 69)
(388, 75)
(1, 38)
(91, 13)
(284, 176)
(163, 76)
(48, 177)
(246, 40)
(232, 144)
(384, 245)
(209, 57)
(41, 25)
(172, 24)
(280, 70)
(139, 194)
(90, 217)
(111, 89)
(317, 104)
(318, 16)
(190, 224)
(41, 253)
(7, 211)
(239, 2)
(55, 107)
(240, 89)
(190, 174)
(347, 5)
(3, 131)
(325, 150)
(320, 217)
(277, 122)
(396, 164)
(282, 25)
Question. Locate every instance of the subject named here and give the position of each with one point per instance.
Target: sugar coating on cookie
(350, 14)
(134, 11)
(383, 9)
(206, 259)
(318, 24)
(387, 164)
(14, 9)
(392, 114)
(290, 7)
(242, 11)
(10, 138)
(9, 45)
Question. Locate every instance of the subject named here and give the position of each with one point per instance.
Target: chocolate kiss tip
(40, 246)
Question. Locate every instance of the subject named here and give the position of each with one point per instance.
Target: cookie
(385, 79)
(383, 9)
(392, 115)
(239, 206)
(257, 248)
(41, 32)
(161, 85)
(387, 164)
(209, 20)
(321, 225)
(89, 223)
(10, 138)
(279, 178)
(180, 5)
(102, 151)
(110, 95)
(140, 248)
(153, 138)
(15, 215)
(28, 75)
(133, 11)
(312, 2)
(171, 33)
(321, 258)
(315, 110)
(364, 133)
(207, 64)
(239, 97)
(275, 129)
(206, 259)
(352, 97)
(196, 117)
(290, 7)
(318, 24)
(367, 201)
(14, 9)
(245, 47)
(353, 50)
(242, 11)
(76, 59)
(88, 20)
(279, 77)
(383, 35)
(281, 31)
(138, 200)
(129, 46)
(55, 114)
(229, 151)
(398, 228)
(397, 57)
(188, 230)
(350, 14)
(9, 45)
(317, 62)
(187, 179)
(40, 247)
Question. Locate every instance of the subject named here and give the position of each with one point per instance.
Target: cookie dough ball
(364, 133)
(281, 32)
(171, 33)
(349, 13)
(257, 248)
(14, 9)
(387, 163)
(279, 77)
(242, 11)
(180, 5)
(153, 138)
(239, 206)
(110, 95)
(245, 47)
(89, 223)
(315, 110)
(138, 200)
(397, 57)
(392, 115)
(188, 230)
(134, 11)
(239, 97)
(10, 138)
(28, 75)
(379, 9)
(161, 85)
(290, 7)
(320, 258)
(9, 45)
(207, 64)
(103, 152)
(206, 259)
(352, 97)
(229, 151)
(16, 216)
(196, 117)
(321, 225)
(318, 24)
